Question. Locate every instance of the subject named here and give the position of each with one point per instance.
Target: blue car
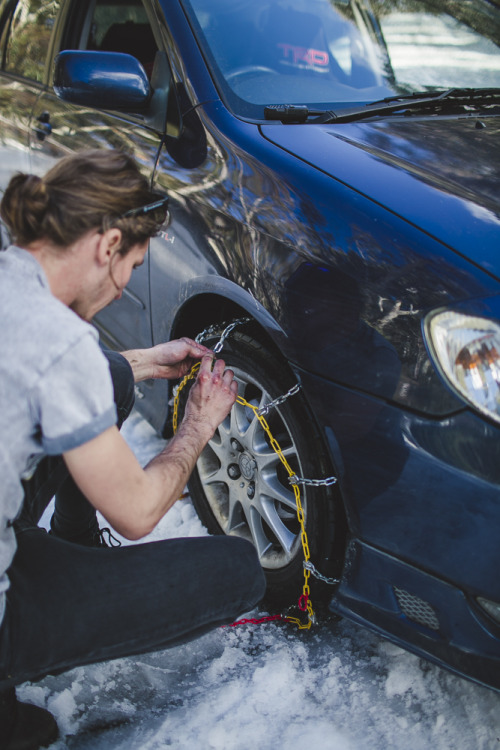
(333, 170)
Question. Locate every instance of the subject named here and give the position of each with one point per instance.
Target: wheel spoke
(235, 516)
(218, 451)
(245, 424)
(212, 467)
(268, 460)
(224, 432)
(284, 536)
(268, 463)
(216, 475)
(262, 542)
(270, 486)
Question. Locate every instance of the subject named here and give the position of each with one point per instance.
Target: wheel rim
(246, 484)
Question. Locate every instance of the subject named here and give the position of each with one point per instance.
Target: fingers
(215, 370)
(214, 375)
(213, 393)
(228, 378)
(194, 349)
(206, 363)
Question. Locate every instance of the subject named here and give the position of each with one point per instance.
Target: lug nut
(251, 490)
(233, 471)
(235, 445)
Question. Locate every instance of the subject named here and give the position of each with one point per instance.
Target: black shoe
(93, 537)
(24, 726)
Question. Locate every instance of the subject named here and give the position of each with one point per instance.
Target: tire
(240, 487)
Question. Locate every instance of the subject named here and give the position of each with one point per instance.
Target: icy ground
(337, 687)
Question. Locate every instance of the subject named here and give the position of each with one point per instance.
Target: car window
(290, 51)
(438, 51)
(121, 27)
(28, 36)
(326, 53)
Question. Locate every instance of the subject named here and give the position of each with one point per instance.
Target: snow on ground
(336, 687)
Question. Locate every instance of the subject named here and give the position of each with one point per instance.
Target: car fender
(239, 298)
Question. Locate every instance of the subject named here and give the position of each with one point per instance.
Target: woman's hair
(84, 191)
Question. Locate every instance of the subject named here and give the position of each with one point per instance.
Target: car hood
(441, 175)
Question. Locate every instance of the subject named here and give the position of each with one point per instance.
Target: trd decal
(301, 55)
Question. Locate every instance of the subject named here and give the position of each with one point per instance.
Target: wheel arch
(223, 309)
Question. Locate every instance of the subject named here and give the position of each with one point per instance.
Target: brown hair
(84, 191)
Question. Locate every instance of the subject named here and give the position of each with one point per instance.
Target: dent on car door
(105, 25)
(25, 29)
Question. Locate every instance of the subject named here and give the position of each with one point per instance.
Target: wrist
(139, 362)
(199, 426)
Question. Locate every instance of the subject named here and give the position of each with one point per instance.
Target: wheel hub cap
(248, 466)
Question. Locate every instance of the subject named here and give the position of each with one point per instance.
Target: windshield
(332, 53)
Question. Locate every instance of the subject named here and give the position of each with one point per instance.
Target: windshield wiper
(291, 113)
(470, 94)
(436, 102)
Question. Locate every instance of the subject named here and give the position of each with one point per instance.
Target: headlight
(466, 350)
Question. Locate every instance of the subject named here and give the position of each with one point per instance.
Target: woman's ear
(108, 245)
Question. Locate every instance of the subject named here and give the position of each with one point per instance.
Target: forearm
(170, 470)
(140, 363)
(133, 500)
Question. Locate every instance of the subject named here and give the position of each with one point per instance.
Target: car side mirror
(105, 80)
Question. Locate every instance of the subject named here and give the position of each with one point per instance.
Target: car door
(25, 33)
(105, 25)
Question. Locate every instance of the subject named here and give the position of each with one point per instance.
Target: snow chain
(304, 603)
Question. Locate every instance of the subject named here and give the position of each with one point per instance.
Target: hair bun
(34, 188)
(24, 206)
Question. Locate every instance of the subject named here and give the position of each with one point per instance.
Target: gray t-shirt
(55, 387)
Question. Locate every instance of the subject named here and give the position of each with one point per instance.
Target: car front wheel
(240, 486)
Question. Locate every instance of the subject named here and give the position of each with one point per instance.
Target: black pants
(70, 605)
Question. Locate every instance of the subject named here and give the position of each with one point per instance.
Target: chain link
(212, 330)
(277, 401)
(177, 392)
(327, 482)
(309, 566)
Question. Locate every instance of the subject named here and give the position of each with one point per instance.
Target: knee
(123, 384)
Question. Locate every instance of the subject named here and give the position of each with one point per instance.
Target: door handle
(44, 128)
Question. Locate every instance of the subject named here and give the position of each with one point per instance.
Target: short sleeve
(73, 399)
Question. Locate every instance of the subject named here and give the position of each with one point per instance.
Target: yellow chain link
(300, 511)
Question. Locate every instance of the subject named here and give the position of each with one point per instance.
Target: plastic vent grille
(416, 609)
